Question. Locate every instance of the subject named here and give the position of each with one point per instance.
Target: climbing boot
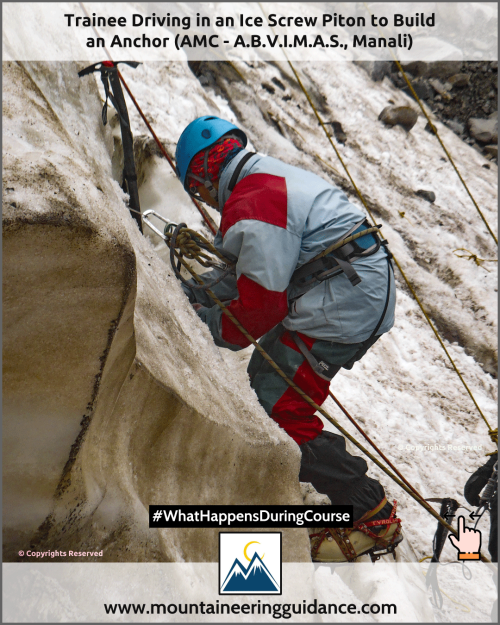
(375, 538)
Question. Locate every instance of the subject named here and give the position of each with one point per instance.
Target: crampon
(346, 545)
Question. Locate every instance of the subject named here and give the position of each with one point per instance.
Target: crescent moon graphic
(247, 545)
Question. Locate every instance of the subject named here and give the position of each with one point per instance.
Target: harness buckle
(330, 264)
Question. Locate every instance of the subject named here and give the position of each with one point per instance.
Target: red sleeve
(257, 309)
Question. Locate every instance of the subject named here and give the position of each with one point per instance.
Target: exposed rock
(338, 131)
(459, 80)
(441, 88)
(436, 69)
(278, 83)
(421, 88)
(399, 115)
(443, 69)
(269, 88)
(417, 68)
(484, 130)
(376, 69)
(469, 94)
(456, 126)
(430, 196)
(491, 150)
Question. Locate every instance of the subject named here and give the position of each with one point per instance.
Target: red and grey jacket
(277, 218)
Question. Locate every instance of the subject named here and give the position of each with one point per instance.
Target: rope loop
(190, 244)
(494, 436)
(470, 256)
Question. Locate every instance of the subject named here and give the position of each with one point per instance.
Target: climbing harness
(347, 544)
(323, 369)
(338, 258)
(109, 74)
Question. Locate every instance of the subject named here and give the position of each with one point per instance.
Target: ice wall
(115, 396)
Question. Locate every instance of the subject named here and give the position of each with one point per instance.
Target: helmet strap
(207, 182)
(212, 191)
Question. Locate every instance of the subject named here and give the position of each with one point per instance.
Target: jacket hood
(227, 174)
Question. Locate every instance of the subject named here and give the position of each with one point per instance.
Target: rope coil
(184, 239)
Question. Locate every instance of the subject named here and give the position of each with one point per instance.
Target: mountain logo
(255, 576)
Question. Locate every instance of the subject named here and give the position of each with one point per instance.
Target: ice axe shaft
(109, 71)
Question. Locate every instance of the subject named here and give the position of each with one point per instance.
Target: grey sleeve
(213, 318)
(225, 290)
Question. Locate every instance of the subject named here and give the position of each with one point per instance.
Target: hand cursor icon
(468, 542)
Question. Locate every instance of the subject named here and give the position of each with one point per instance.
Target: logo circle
(206, 134)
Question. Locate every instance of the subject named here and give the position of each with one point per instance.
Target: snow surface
(404, 391)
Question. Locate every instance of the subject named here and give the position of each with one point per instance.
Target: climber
(312, 319)
(472, 493)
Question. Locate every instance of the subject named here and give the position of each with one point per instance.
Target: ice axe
(109, 74)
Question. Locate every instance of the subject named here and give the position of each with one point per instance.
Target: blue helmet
(200, 134)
